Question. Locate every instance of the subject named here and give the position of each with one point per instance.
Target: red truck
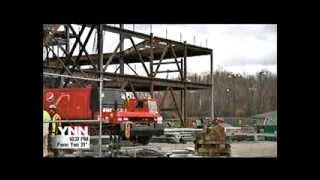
(133, 119)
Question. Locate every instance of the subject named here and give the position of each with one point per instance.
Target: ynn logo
(76, 130)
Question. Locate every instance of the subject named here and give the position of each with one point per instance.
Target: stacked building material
(176, 135)
(212, 142)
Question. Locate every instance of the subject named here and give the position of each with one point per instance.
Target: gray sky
(237, 48)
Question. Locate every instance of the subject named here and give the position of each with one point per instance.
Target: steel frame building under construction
(155, 50)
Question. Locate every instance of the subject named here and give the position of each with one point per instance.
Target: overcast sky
(237, 48)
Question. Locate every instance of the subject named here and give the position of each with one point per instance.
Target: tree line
(235, 95)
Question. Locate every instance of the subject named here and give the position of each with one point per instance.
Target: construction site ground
(238, 149)
(250, 149)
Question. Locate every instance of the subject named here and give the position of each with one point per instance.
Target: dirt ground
(254, 149)
(238, 149)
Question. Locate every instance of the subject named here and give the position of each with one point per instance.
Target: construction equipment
(133, 119)
(212, 141)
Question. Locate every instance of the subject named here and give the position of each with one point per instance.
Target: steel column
(176, 105)
(185, 78)
(182, 92)
(175, 59)
(151, 54)
(151, 64)
(121, 52)
(212, 81)
(100, 53)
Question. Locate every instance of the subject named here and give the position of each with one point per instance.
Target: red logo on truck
(50, 96)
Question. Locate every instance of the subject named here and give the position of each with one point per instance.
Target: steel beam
(67, 34)
(129, 33)
(185, 79)
(168, 71)
(100, 53)
(182, 92)
(132, 69)
(64, 66)
(169, 62)
(121, 51)
(212, 81)
(83, 48)
(163, 98)
(176, 105)
(117, 69)
(175, 59)
(133, 91)
(140, 57)
(162, 56)
(137, 79)
(78, 40)
(151, 55)
(61, 62)
(110, 58)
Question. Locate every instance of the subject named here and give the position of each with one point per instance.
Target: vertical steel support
(151, 55)
(100, 54)
(67, 39)
(185, 88)
(181, 92)
(177, 108)
(121, 52)
(212, 80)
(151, 63)
(67, 48)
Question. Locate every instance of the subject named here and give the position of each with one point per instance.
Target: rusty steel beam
(64, 66)
(185, 78)
(182, 92)
(140, 57)
(67, 37)
(137, 79)
(212, 83)
(77, 38)
(175, 59)
(121, 51)
(151, 55)
(133, 91)
(81, 45)
(129, 33)
(176, 105)
(162, 56)
(61, 62)
(131, 69)
(169, 62)
(117, 69)
(163, 98)
(69, 54)
(111, 57)
(62, 34)
(82, 49)
(168, 71)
